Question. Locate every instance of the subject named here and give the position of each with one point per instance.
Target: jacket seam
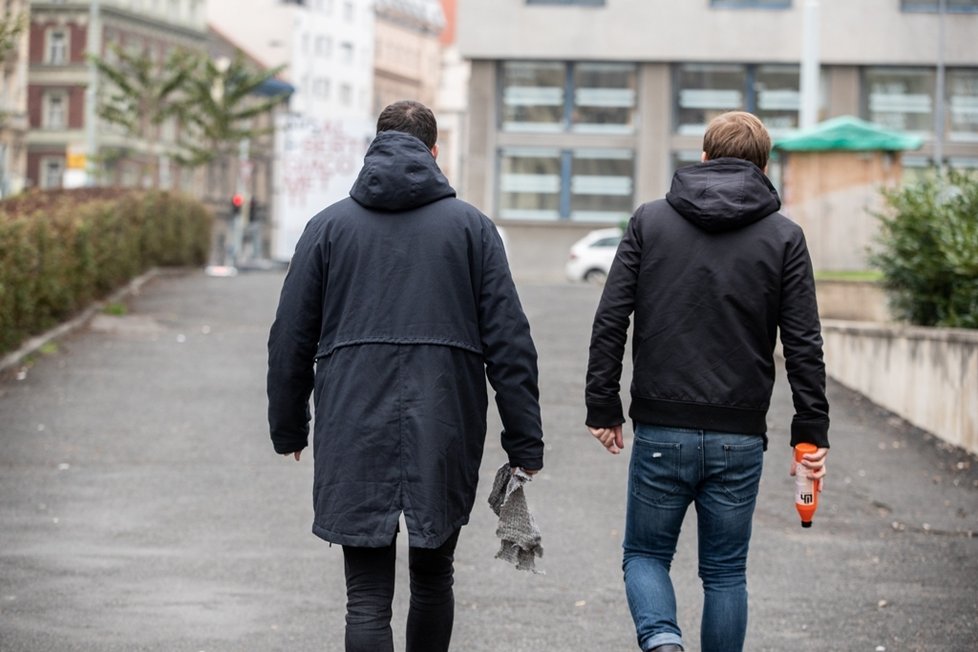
(400, 340)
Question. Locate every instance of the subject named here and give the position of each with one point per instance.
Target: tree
(213, 105)
(11, 27)
(929, 251)
(143, 91)
(220, 106)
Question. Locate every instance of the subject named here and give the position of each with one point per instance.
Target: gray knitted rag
(519, 535)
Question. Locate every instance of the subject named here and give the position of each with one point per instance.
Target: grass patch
(49, 348)
(857, 275)
(115, 309)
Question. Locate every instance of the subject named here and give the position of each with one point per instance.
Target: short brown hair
(737, 134)
(412, 118)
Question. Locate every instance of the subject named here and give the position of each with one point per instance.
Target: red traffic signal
(237, 200)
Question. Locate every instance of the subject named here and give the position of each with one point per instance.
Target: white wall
(928, 376)
(853, 32)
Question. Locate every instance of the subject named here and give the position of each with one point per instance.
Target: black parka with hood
(397, 305)
(711, 272)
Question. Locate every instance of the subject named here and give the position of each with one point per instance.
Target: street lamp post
(809, 83)
(91, 94)
(939, 90)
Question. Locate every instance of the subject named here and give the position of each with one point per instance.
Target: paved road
(142, 508)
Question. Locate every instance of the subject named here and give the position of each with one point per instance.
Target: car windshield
(607, 242)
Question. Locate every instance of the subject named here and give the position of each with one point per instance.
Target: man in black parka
(397, 305)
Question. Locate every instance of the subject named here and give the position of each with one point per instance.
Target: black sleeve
(292, 345)
(801, 339)
(510, 356)
(610, 332)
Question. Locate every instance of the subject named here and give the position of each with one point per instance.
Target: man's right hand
(611, 438)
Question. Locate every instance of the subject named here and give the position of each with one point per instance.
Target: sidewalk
(142, 508)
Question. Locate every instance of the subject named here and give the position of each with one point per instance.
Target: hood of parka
(399, 173)
(723, 194)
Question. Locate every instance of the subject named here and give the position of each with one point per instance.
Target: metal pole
(91, 94)
(939, 91)
(808, 113)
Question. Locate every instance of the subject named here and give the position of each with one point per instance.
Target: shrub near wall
(61, 250)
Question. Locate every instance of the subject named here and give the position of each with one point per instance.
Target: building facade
(13, 96)
(407, 51)
(66, 144)
(582, 109)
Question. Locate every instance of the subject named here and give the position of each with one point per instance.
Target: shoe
(668, 647)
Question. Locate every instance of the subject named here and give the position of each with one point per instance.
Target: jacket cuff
(810, 432)
(528, 463)
(604, 415)
(286, 446)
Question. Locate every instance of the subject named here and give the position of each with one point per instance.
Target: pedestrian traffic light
(237, 201)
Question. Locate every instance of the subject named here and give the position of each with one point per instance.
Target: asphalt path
(142, 507)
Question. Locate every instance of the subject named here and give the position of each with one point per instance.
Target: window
(346, 95)
(538, 96)
(900, 98)
(933, 6)
(55, 108)
(346, 52)
(348, 11)
(751, 4)
(604, 97)
(705, 90)
(552, 184)
(962, 104)
(57, 50)
(592, 3)
(52, 172)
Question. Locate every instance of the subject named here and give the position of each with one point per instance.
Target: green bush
(61, 250)
(929, 251)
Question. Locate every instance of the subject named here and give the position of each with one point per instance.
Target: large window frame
(579, 3)
(561, 184)
(757, 88)
(567, 97)
(883, 104)
(750, 4)
(933, 6)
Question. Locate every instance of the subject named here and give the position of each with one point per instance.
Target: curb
(31, 346)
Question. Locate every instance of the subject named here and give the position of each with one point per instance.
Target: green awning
(847, 134)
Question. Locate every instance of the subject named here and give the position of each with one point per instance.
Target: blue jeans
(719, 472)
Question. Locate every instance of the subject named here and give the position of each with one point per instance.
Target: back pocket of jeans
(742, 468)
(655, 470)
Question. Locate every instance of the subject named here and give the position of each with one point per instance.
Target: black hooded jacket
(397, 305)
(711, 272)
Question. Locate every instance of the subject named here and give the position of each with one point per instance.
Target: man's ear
(703, 157)
(434, 150)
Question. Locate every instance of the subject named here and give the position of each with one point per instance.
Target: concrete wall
(865, 32)
(928, 376)
(834, 196)
(852, 301)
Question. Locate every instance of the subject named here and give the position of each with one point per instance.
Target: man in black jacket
(711, 273)
(397, 305)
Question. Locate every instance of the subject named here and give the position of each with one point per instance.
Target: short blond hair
(737, 134)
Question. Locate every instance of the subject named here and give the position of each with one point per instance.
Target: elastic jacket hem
(701, 416)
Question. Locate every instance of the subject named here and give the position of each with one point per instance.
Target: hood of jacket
(723, 194)
(399, 174)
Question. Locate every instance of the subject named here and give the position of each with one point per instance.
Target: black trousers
(370, 591)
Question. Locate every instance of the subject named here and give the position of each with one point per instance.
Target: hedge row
(59, 251)
(929, 251)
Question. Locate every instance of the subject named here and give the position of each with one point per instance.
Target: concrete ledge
(928, 376)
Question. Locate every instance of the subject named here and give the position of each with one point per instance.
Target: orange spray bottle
(806, 489)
